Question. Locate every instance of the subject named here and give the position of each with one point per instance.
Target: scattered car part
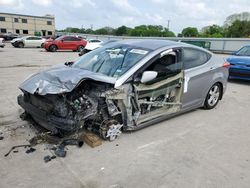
(60, 151)
(48, 158)
(73, 142)
(17, 146)
(44, 138)
(1, 137)
(30, 150)
(91, 139)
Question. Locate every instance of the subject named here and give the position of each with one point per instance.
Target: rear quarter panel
(199, 80)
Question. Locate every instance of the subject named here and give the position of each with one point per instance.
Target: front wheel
(53, 48)
(213, 96)
(80, 48)
(20, 45)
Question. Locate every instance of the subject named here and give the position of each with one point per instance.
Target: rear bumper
(48, 121)
(239, 73)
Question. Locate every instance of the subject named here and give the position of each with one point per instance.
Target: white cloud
(43, 2)
(7, 2)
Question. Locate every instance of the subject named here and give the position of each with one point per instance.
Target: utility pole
(168, 23)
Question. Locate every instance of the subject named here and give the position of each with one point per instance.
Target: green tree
(101, 31)
(123, 30)
(239, 29)
(190, 32)
(214, 31)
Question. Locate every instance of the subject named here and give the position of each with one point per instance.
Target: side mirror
(62, 40)
(148, 76)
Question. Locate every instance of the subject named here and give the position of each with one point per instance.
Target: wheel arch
(221, 87)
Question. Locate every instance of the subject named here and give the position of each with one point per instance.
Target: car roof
(151, 44)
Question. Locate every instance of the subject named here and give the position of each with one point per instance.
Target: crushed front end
(84, 107)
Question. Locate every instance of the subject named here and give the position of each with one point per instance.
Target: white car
(93, 44)
(28, 41)
(2, 43)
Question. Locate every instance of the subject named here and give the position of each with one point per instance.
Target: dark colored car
(9, 36)
(240, 64)
(65, 43)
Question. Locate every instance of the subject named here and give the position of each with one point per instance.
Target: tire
(20, 45)
(213, 96)
(53, 48)
(80, 48)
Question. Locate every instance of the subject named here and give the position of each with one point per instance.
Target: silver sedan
(125, 85)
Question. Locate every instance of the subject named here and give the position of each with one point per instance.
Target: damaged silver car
(124, 86)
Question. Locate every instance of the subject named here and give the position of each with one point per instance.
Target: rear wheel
(213, 96)
(53, 48)
(80, 48)
(20, 45)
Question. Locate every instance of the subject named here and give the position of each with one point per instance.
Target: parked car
(28, 41)
(125, 85)
(9, 36)
(2, 44)
(65, 43)
(240, 64)
(94, 45)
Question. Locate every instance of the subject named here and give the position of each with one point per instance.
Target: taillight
(226, 65)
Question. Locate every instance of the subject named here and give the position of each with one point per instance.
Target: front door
(162, 95)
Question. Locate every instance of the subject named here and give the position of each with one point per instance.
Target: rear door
(70, 43)
(28, 42)
(37, 41)
(197, 78)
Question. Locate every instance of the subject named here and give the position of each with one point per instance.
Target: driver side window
(167, 65)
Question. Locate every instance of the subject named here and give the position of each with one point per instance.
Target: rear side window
(71, 39)
(193, 57)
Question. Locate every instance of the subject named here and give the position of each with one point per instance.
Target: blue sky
(114, 13)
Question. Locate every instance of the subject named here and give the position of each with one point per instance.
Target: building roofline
(13, 14)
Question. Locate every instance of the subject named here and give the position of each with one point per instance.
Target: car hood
(239, 60)
(60, 79)
(16, 39)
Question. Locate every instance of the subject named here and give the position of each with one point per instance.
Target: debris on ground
(91, 139)
(1, 137)
(17, 146)
(48, 158)
(44, 138)
(60, 151)
(30, 150)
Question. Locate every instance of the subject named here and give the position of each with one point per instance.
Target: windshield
(111, 60)
(245, 51)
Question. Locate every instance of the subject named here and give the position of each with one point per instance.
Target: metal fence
(218, 45)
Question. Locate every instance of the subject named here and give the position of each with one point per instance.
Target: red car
(65, 43)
